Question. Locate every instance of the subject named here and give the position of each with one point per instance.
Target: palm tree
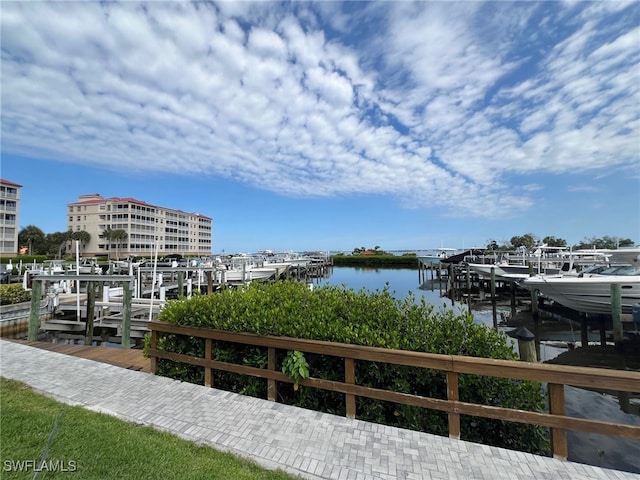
(107, 234)
(83, 237)
(57, 242)
(31, 235)
(119, 235)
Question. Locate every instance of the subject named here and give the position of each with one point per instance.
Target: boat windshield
(594, 269)
(623, 270)
(597, 270)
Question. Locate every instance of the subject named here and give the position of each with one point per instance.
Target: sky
(330, 125)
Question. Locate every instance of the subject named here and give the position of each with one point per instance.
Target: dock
(128, 358)
(116, 308)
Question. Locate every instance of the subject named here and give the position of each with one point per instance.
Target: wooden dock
(129, 358)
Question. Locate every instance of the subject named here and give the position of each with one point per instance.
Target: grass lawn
(89, 445)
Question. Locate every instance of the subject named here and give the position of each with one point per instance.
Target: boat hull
(508, 271)
(588, 294)
(249, 274)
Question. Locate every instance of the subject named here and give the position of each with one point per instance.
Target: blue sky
(329, 125)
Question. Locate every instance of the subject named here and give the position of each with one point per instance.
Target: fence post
(272, 387)
(452, 395)
(559, 446)
(350, 377)
(154, 346)
(208, 355)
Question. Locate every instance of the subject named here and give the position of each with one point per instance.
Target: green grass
(98, 446)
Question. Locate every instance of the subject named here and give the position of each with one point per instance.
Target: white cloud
(434, 104)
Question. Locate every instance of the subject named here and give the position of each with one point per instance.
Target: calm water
(593, 449)
(400, 282)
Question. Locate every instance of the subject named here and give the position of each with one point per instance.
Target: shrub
(336, 314)
(13, 293)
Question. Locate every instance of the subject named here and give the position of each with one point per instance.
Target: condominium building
(174, 231)
(9, 212)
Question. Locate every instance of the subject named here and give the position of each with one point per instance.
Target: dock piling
(34, 315)
(126, 315)
(91, 307)
(493, 298)
(616, 312)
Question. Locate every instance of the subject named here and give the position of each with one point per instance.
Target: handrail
(556, 376)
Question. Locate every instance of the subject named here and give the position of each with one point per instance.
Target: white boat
(443, 253)
(509, 271)
(247, 274)
(87, 266)
(544, 260)
(629, 255)
(126, 266)
(281, 267)
(53, 267)
(590, 293)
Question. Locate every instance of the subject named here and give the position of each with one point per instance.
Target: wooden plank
(132, 359)
(357, 352)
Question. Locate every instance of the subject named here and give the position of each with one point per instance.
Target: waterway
(593, 449)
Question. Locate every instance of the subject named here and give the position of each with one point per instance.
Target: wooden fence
(555, 376)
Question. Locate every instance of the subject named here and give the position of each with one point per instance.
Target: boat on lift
(591, 291)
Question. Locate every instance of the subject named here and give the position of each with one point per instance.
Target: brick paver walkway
(310, 444)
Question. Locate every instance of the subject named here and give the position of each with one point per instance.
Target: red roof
(7, 182)
(96, 198)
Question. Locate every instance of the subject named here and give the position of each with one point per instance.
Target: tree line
(530, 241)
(56, 244)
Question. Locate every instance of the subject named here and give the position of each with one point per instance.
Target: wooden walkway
(128, 358)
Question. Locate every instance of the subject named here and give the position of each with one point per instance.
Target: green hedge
(385, 261)
(25, 259)
(13, 293)
(336, 314)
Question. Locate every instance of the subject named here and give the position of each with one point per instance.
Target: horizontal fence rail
(555, 376)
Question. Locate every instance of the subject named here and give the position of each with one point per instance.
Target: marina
(560, 335)
(115, 308)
